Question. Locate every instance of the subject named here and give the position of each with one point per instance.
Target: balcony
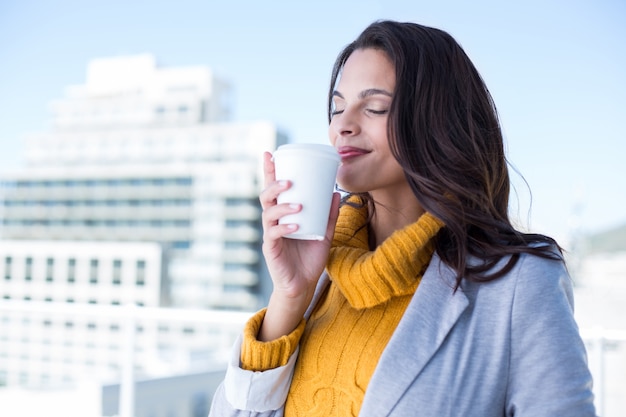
(607, 348)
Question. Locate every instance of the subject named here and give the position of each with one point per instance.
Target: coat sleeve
(245, 393)
(252, 393)
(220, 407)
(549, 375)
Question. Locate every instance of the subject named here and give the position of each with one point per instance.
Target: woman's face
(358, 126)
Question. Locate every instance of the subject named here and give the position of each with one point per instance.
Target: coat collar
(428, 319)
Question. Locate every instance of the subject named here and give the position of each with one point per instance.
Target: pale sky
(556, 69)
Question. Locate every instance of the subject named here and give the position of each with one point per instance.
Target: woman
(429, 303)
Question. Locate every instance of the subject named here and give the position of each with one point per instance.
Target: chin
(352, 184)
(349, 190)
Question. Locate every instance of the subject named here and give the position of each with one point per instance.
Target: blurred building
(142, 193)
(143, 154)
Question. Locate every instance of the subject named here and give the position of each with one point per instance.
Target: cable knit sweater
(350, 327)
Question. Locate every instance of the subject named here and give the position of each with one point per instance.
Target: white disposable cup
(312, 170)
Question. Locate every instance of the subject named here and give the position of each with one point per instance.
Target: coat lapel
(320, 289)
(429, 317)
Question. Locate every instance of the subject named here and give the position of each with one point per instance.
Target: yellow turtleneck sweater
(347, 332)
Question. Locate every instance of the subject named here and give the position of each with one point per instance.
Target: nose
(344, 124)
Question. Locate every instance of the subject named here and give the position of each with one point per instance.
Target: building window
(183, 181)
(71, 270)
(49, 269)
(141, 273)
(117, 272)
(181, 244)
(229, 266)
(7, 267)
(93, 271)
(236, 223)
(28, 273)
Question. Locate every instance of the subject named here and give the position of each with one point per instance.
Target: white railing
(227, 322)
(597, 340)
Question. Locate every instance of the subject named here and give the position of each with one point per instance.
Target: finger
(272, 229)
(269, 171)
(278, 231)
(268, 196)
(272, 214)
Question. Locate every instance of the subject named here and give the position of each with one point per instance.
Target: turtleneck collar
(368, 278)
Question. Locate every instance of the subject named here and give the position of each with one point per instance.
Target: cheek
(391, 163)
(379, 130)
(382, 141)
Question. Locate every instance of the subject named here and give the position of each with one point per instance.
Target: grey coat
(509, 347)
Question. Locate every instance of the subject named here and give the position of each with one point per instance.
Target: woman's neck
(391, 214)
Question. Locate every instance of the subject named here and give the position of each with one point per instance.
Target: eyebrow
(366, 93)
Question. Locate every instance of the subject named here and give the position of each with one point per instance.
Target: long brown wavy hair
(444, 131)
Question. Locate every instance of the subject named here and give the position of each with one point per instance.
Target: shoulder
(543, 278)
(528, 267)
(543, 283)
(532, 281)
(534, 284)
(533, 269)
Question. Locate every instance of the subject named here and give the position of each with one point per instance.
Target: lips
(349, 152)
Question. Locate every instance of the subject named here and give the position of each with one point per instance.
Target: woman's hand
(294, 265)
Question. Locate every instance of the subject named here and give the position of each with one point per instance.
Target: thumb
(333, 216)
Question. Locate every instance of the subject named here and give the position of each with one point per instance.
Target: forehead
(367, 68)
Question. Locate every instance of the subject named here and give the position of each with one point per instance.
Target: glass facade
(158, 162)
